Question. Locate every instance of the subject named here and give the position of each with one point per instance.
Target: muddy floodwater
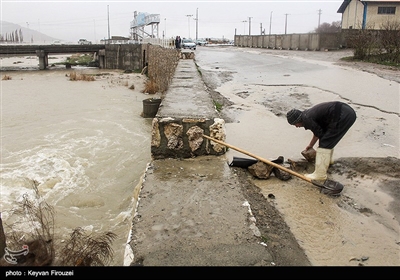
(87, 146)
(259, 87)
(84, 143)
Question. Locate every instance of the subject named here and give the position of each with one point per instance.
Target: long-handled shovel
(329, 187)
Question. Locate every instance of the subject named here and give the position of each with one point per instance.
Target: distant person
(178, 42)
(329, 122)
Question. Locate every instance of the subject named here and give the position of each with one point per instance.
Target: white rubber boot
(322, 160)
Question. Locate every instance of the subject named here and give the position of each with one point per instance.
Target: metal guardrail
(165, 43)
(145, 19)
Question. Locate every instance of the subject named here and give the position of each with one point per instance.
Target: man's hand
(308, 147)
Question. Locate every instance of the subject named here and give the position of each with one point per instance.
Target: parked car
(84, 42)
(201, 42)
(57, 42)
(188, 44)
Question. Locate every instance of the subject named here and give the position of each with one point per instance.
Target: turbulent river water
(84, 143)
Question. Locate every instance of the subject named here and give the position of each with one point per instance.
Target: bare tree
(21, 37)
(390, 39)
(328, 28)
(16, 36)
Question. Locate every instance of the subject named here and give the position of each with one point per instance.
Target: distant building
(118, 40)
(369, 14)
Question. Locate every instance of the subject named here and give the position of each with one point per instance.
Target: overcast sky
(95, 20)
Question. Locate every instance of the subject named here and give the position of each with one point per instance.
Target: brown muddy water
(87, 146)
(83, 142)
(262, 86)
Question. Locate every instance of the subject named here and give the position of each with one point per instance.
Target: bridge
(42, 51)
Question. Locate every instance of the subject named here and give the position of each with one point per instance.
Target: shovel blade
(330, 187)
(242, 162)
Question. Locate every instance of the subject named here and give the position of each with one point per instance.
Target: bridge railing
(165, 43)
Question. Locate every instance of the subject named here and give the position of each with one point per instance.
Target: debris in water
(271, 196)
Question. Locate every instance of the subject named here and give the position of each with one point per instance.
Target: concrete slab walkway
(194, 211)
(187, 96)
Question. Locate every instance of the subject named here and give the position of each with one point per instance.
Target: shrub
(150, 87)
(377, 46)
(33, 226)
(73, 76)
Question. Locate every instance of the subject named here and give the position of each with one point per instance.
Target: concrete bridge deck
(42, 51)
(15, 50)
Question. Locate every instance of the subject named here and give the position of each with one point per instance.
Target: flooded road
(359, 228)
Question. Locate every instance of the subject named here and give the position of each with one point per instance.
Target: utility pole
(319, 16)
(261, 31)
(108, 19)
(270, 22)
(189, 23)
(94, 29)
(244, 26)
(197, 23)
(250, 25)
(165, 27)
(286, 22)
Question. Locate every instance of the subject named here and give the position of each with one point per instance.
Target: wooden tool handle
(301, 176)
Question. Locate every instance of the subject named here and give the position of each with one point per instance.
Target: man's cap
(293, 116)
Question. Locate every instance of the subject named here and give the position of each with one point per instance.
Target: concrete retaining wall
(176, 137)
(308, 41)
(123, 56)
(186, 113)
